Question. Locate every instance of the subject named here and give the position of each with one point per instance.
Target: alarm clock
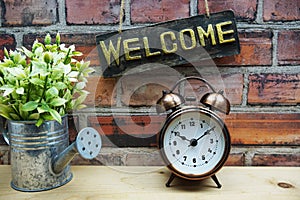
(194, 141)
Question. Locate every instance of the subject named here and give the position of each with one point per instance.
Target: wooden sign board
(172, 43)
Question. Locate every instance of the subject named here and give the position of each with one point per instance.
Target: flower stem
(29, 84)
(45, 86)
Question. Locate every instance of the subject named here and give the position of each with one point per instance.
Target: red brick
(77, 39)
(231, 84)
(256, 49)
(274, 89)
(245, 10)
(288, 47)
(102, 91)
(131, 124)
(277, 10)
(158, 10)
(264, 128)
(126, 130)
(29, 12)
(144, 95)
(287, 159)
(8, 41)
(245, 129)
(144, 89)
(147, 89)
(236, 159)
(92, 11)
(73, 127)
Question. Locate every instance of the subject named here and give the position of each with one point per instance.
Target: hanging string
(121, 15)
(206, 8)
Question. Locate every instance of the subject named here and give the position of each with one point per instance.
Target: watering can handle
(5, 136)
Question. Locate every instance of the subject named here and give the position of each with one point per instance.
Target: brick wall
(262, 82)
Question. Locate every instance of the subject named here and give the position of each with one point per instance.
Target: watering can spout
(88, 144)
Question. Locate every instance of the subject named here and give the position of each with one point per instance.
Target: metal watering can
(40, 156)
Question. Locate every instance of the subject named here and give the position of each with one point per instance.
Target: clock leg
(215, 179)
(170, 180)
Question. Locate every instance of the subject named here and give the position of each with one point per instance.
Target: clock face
(195, 143)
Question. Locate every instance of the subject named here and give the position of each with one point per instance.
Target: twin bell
(213, 100)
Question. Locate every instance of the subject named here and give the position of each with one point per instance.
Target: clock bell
(213, 100)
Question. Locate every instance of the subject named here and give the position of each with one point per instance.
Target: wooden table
(112, 182)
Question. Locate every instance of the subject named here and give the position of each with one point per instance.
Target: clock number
(201, 125)
(192, 123)
(182, 126)
(203, 157)
(184, 158)
(209, 150)
(211, 141)
(194, 160)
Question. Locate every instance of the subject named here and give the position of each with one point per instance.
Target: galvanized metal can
(32, 152)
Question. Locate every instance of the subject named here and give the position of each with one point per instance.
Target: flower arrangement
(44, 83)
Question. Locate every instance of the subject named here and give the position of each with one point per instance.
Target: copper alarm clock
(194, 141)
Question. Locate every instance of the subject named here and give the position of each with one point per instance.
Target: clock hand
(182, 137)
(194, 142)
(206, 133)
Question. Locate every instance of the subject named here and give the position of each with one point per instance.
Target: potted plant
(44, 83)
(38, 88)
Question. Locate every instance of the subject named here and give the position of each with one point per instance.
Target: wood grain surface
(111, 182)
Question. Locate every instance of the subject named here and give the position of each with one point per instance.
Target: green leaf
(20, 90)
(39, 122)
(51, 92)
(61, 111)
(30, 106)
(47, 116)
(39, 50)
(81, 106)
(14, 116)
(88, 71)
(23, 114)
(39, 68)
(37, 81)
(57, 101)
(5, 111)
(17, 57)
(27, 52)
(57, 74)
(67, 95)
(7, 63)
(47, 39)
(43, 108)
(57, 39)
(80, 85)
(8, 89)
(73, 74)
(79, 101)
(77, 53)
(60, 85)
(67, 68)
(17, 72)
(34, 116)
(55, 115)
(86, 64)
(5, 53)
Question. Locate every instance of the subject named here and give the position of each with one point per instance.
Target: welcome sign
(172, 43)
